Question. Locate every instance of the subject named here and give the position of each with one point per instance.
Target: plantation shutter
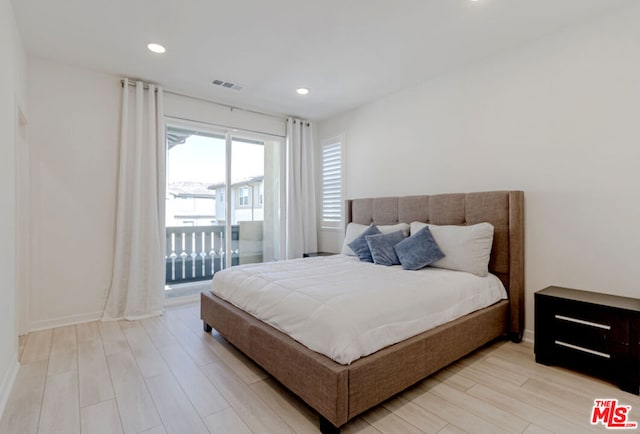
(332, 185)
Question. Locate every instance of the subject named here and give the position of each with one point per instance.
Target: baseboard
(8, 380)
(97, 316)
(528, 336)
(65, 321)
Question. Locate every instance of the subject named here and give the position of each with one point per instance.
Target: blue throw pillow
(359, 244)
(419, 250)
(381, 247)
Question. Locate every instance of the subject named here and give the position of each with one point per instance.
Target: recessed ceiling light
(302, 91)
(156, 48)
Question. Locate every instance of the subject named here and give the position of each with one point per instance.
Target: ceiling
(348, 52)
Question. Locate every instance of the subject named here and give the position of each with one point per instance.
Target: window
(332, 183)
(244, 196)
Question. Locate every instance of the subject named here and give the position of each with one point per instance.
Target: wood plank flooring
(165, 375)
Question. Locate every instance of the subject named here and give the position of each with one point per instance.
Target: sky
(202, 159)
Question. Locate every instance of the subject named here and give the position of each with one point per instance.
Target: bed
(339, 392)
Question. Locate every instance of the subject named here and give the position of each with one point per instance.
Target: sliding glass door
(223, 202)
(255, 196)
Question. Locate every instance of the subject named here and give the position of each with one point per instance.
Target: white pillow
(354, 230)
(466, 248)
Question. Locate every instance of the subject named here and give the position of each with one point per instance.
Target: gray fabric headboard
(503, 209)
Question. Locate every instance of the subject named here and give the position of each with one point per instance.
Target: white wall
(12, 101)
(74, 140)
(74, 137)
(193, 109)
(558, 119)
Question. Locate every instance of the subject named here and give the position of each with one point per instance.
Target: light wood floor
(165, 375)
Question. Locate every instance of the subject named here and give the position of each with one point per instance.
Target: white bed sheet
(347, 309)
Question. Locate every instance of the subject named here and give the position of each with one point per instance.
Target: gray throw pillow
(419, 250)
(359, 244)
(381, 247)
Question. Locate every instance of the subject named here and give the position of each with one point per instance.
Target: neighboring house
(190, 204)
(247, 199)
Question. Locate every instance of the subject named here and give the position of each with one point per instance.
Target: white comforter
(347, 309)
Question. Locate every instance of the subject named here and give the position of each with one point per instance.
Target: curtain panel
(137, 284)
(302, 236)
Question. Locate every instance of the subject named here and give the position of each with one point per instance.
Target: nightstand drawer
(607, 365)
(601, 348)
(579, 329)
(591, 320)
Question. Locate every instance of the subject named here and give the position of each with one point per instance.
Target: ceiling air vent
(227, 84)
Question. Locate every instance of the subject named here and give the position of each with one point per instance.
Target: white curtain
(301, 226)
(138, 277)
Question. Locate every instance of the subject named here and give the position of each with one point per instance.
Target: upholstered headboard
(503, 209)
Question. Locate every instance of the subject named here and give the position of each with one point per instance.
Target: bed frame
(341, 392)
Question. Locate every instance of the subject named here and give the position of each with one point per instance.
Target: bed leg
(327, 427)
(515, 337)
(206, 327)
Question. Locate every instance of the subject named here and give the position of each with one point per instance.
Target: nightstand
(595, 333)
(314, 254)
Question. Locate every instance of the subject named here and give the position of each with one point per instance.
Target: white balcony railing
(197, 252)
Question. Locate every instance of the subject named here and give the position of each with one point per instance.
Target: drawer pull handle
(583, 322)
(584, 350)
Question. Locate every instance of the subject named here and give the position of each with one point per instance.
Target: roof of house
(190, 189)
(240, 183)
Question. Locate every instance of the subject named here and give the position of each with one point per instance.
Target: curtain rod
(132, 82)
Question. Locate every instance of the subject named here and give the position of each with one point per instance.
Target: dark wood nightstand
(595, 333)
(314, 254)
